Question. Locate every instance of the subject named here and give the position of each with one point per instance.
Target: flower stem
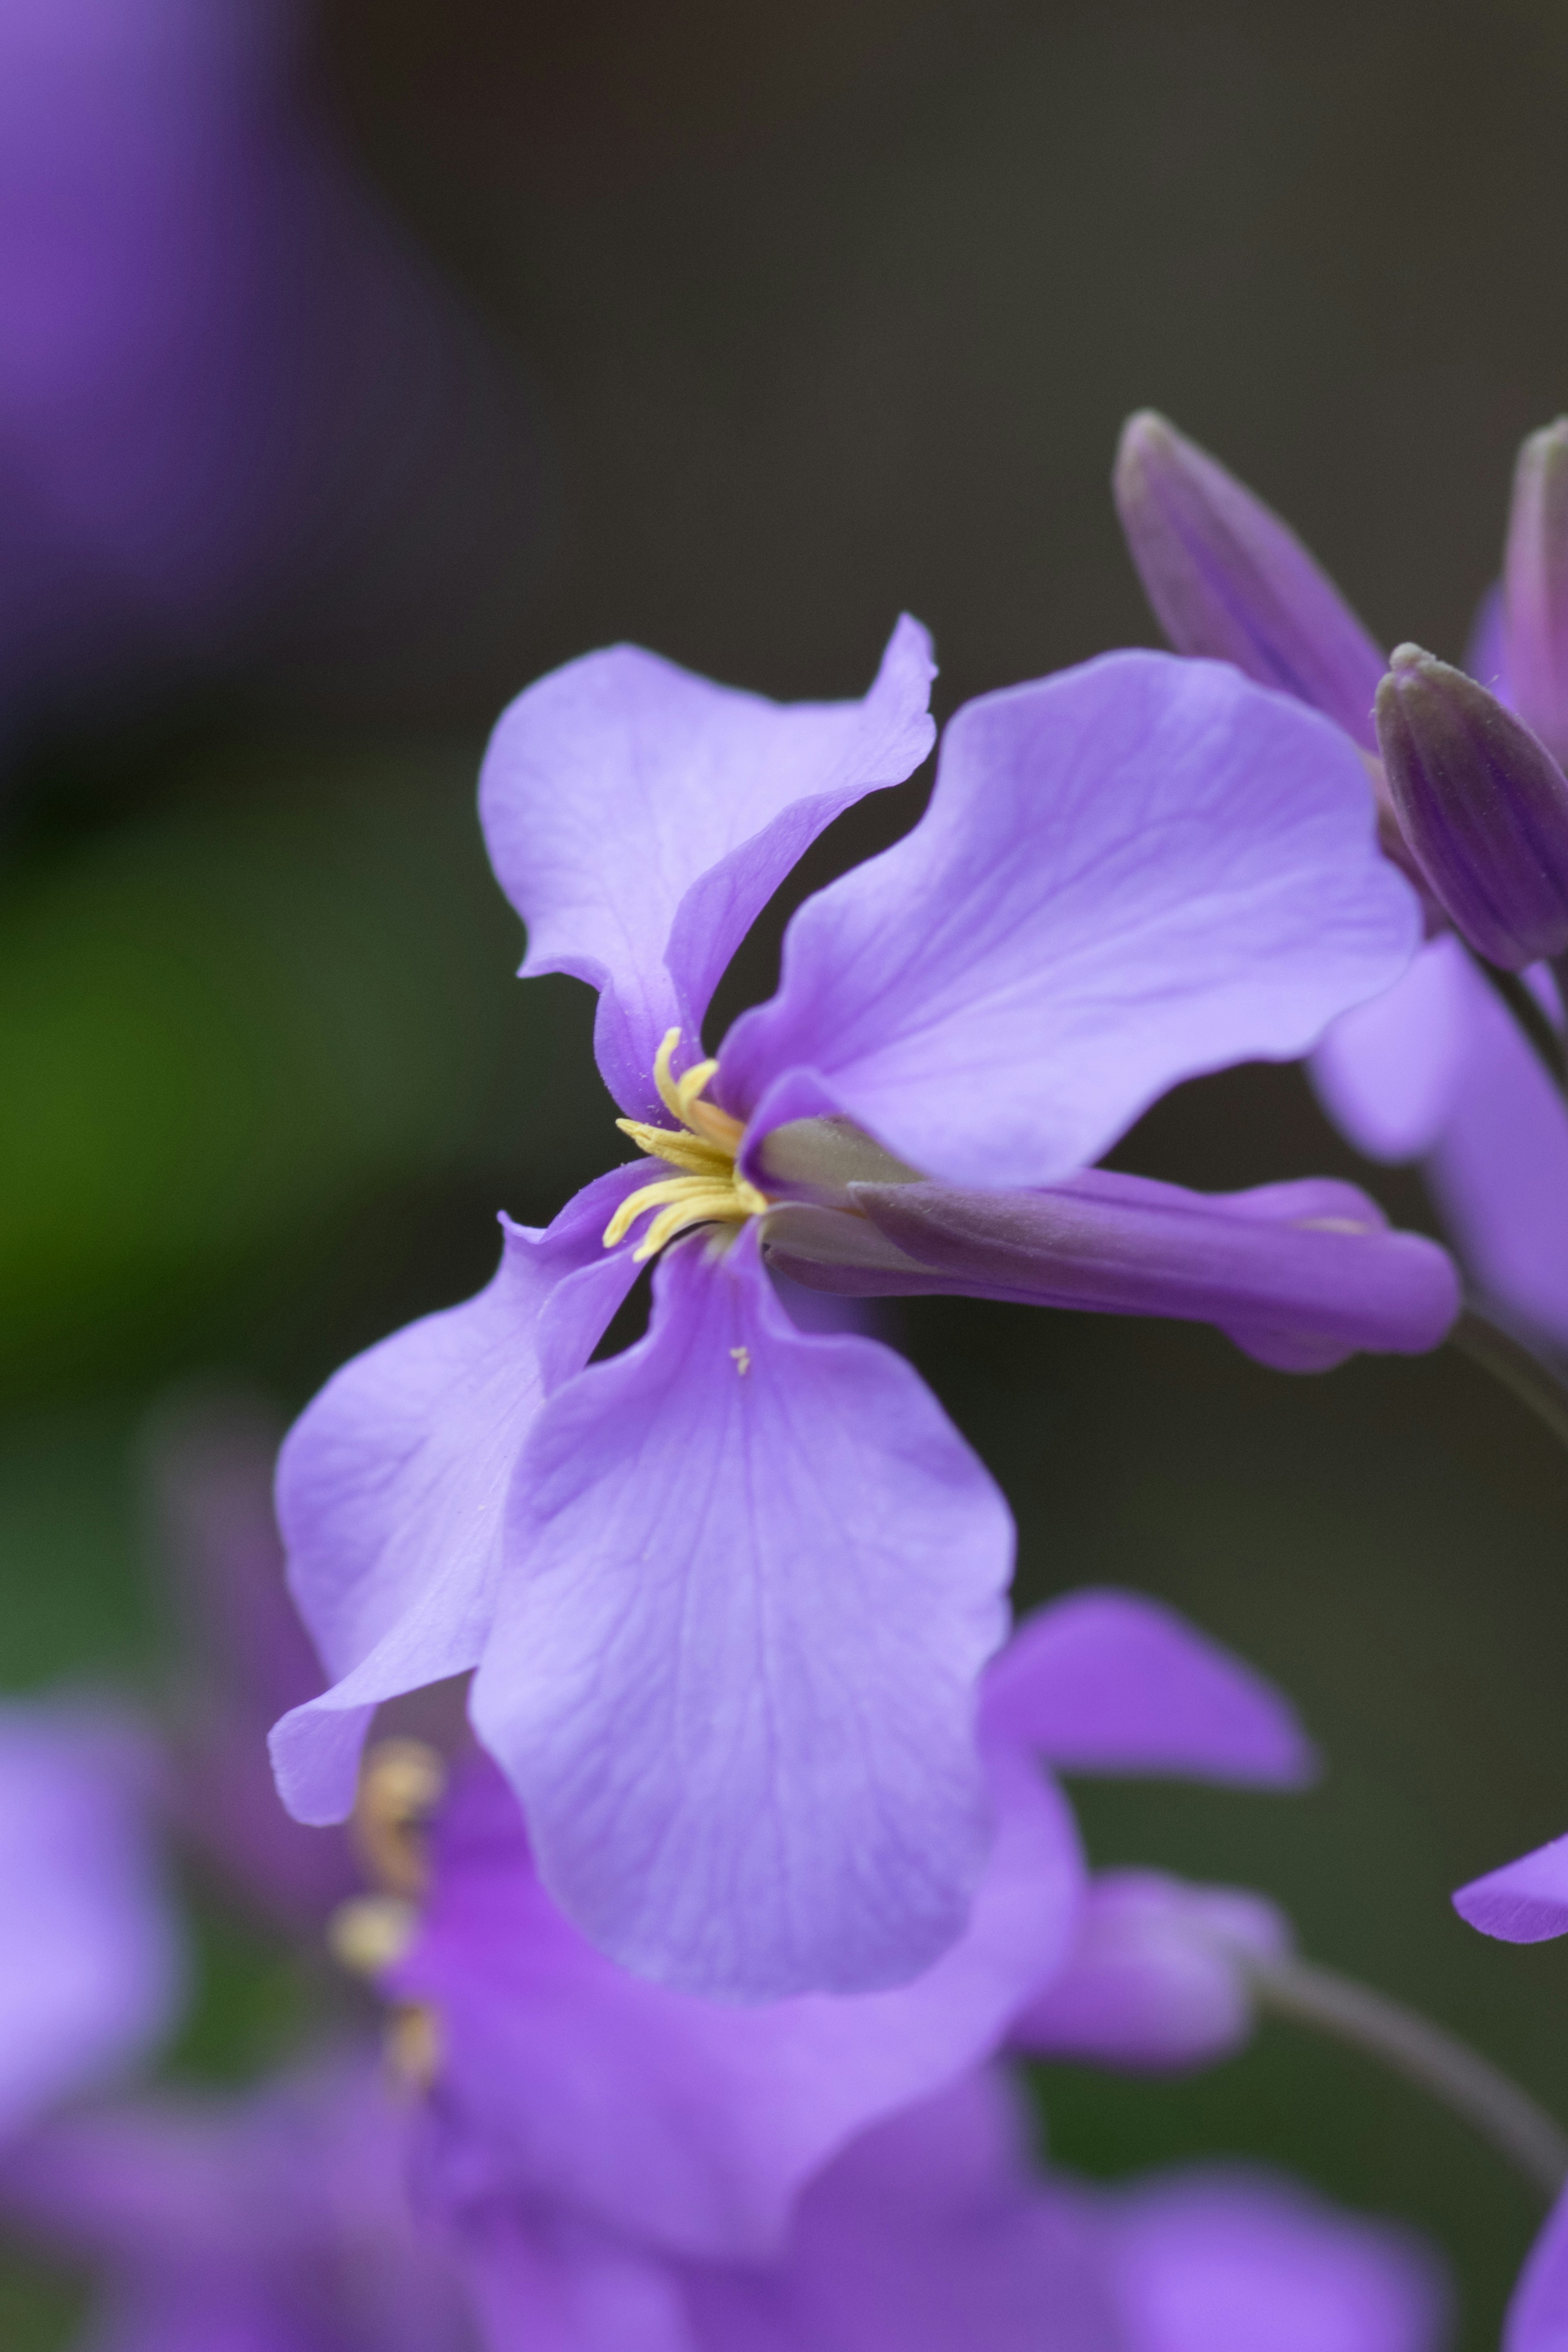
(1425, 2054)
(1539, 1031)
(1530, 1377)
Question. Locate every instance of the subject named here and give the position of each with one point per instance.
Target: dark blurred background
(357, 365)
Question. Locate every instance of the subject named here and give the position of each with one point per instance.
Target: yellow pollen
(709, 1191)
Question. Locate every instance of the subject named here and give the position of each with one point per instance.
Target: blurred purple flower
(728, 1591)
(91, 1964)
(934, 2233)
(234, 401)
(277, 2221)
(722, 2112)
(246, 1658)
(1433, 1070)
(1156, 1975)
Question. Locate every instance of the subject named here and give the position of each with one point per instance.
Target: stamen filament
(705, 1146)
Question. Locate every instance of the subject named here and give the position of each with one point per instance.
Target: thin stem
(1529, 1377)
(1535, 1024)
(1425, 2054)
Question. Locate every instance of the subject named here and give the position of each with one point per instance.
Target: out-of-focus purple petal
(1525, 1902)
(1227, 577)
(639, 819)
(753, 1573)
(1535, 586)
(279, 2220)
(540, 2282)
(92, 1965)
(1155, 1977)
(1110, 1682)
(249, 1657)
(1388, 1073)
(1314, 1262)
(391, 1483)
(693, 2125)
(1498, 1171)
(1130, 873)
(927, 2235)
(1537, 2318)
(1485, 655)
(1227, 2261)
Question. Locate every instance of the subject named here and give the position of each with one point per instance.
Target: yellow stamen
(705, 1146)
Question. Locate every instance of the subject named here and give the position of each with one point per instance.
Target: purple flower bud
(1535, 586)
(1484, 807)
(1227, 577)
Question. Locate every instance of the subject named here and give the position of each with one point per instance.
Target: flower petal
(91, 1968)
(639, 819)
(1525, 1902)
(390, 1485)
(1498, 1171)
(1388, 1072)
(1224, 2260)
(1314, 1261)
(1537, 2318)
(1156, 1978)
(721, 2112)
(1130, 873)
(754, 1575)
(1110, 1682)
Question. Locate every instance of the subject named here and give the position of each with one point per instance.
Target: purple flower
(1435, 1069)
(91, 1968)
(729, 1592)
(933, 2232)
(277, 2221)
(246, 1657)
(721, 2113)
(1156, 1976)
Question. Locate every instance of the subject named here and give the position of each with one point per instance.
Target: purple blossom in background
(91, 1964)
(1433, 1070)
(1156, 1974)
(274, 2221)
(729, 1592)
(246, 1657)
(235, 402)
(723, 2112)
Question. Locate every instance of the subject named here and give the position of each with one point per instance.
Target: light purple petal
(639, 819)
(721, 2112)
(249, 1657)
(1525, 1902)
(1236, 2262)
(1109, 1682)
(752, 1574)
(91, 1967)
(1305, 1272)
(1156, 1976)
(1227, 577)
(1498, 1172)
(1388, 1073)
(1537, 2318)
(1485, 655)
(928, 2235)
(391, 1483)
(1130, 873)
(540, 2282)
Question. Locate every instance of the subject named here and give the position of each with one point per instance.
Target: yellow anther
(705, 1146)
(369, 1932)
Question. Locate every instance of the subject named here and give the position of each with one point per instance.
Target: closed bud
(1229, 579)
(1535, 586)
(1483, 807)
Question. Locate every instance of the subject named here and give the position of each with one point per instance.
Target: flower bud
(1227, 577)
(1535, 586)
(1483, 805)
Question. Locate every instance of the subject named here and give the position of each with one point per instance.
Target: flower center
(710, 1190)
